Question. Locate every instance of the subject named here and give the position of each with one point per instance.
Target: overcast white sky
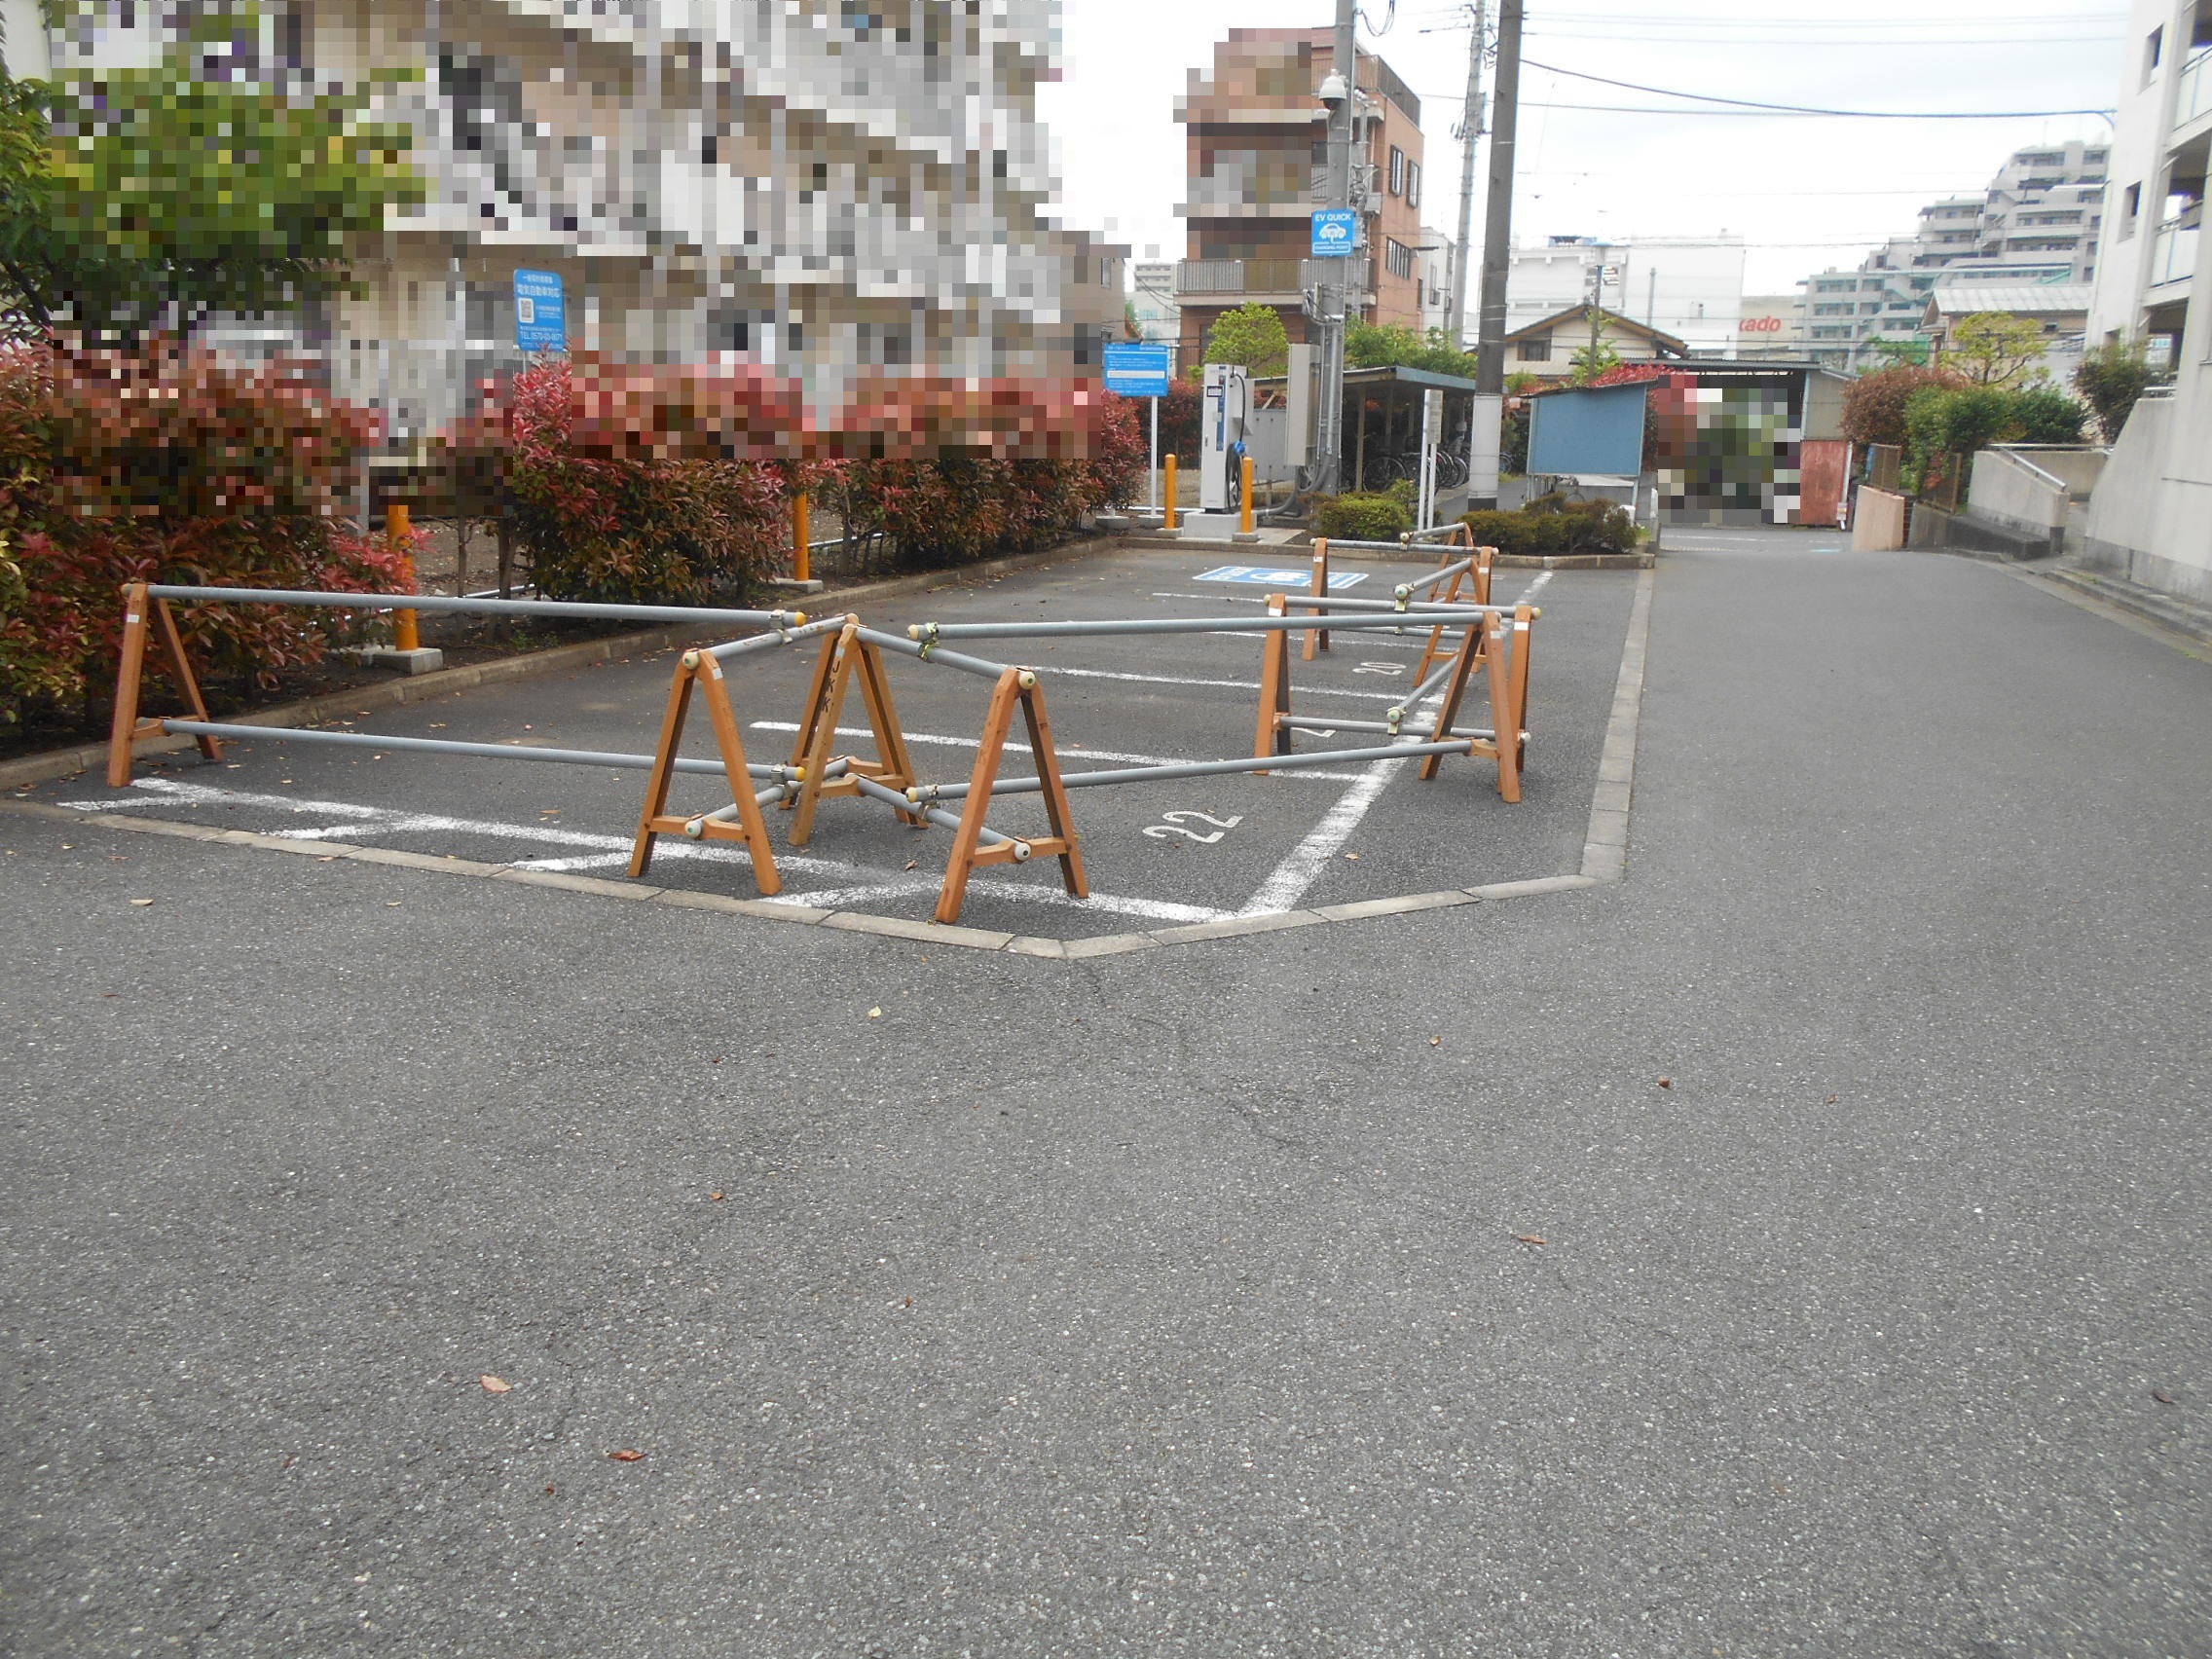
(1804, 192)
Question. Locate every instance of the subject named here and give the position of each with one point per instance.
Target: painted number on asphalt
(1381, 668)
(1175, 822)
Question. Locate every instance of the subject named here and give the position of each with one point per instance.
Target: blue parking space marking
(1258, 576)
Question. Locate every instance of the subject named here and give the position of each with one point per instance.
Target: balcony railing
(2192, 96)
(2173, 249)
(1239, 276)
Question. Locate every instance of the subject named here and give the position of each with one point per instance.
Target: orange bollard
(398, 526)
(801, 534)
(1169, 521)
(1245, 498)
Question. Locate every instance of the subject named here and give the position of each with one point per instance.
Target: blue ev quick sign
(1335, 231)
(1136, 370)
(541, 319)
(1292, 581)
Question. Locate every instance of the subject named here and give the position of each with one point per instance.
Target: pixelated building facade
(834, 190)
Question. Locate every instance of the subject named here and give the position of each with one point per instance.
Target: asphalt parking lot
(1156, 853)
(1795, 1249)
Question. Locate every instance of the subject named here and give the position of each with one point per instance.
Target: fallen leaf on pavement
(2162, 1399)
(715, 1197)
(1436, 1042)
(1528, 1238)
(141, 901)
(1831, 1100)
(875, 1013)
(496, 1384)
(1666, 1083)
(626, 1455)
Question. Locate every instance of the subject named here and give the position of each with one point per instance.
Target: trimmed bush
(1553, 524)
(159, 464)
(1362, 518)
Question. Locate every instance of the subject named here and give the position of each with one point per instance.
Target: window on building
(1397, 171)
(2130, 210)
(2153, 49)
(1397, 257)
(1413, 184)
(1538, 349)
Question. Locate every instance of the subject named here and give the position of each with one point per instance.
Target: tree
(1378, 346)
(1995, 347)
(2111, 377)
(1592, 360)
(1874, 404)
(1252, 336)
(165, 196)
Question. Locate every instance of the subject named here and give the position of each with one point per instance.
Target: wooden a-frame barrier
(701, 673)
(845, 657)
(1017, 688)
(142, 612)
(848, 657)
(1500, 643)
(1471, 584)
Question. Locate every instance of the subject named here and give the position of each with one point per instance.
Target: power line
(1805, 109)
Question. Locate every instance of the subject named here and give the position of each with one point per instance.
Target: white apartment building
(2038, 221)
(823, 187)
(2150, 516)
(1691, 288)
(1151, 301)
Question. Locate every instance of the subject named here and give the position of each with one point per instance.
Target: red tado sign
(1759, 325)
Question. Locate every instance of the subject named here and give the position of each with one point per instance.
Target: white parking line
(608, 852)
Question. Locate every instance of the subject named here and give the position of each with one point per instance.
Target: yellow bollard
(1245, 498)
(801, 534)
(1168, 523)
(399, 529)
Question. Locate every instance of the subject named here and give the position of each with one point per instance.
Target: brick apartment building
(1257, 145)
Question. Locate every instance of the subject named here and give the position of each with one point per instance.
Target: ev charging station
(1224, 406)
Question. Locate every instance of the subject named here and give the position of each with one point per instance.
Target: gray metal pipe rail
(785, 786)
(1184, 624)
(480, 607)
(1406, 590)
(939, 816)
(927, 650)
(1411, 699)
(446, 746)
(1333, 723)
(777, 637)
(921, 793)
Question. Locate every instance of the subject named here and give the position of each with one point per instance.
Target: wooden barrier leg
(130, 671)
(1504, 713)
(818, 728)
(1524, 638)
(883, 719)
(1455, 693)
(1271, 735)
(726, 737)
(811, 713)
(663, 771)
(180, 667)
(1433, 652)
(968, 838)
(1057, 807)
(1484, 558)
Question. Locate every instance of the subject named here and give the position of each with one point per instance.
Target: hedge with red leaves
(161, 465)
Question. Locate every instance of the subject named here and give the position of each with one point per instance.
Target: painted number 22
(1174, 827)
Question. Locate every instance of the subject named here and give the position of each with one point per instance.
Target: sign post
(1135, 369)
(540, 317)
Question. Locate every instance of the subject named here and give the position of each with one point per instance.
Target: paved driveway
(1188, 1301)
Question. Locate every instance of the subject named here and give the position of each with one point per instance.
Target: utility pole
(1470, 130)
(1332, 278)
(1497, 250)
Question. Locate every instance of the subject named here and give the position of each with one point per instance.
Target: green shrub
(1362, 518)
(2045, 415)
(1553, 524)
(2111, 377)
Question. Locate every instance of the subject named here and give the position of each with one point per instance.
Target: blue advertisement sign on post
(541, 319)
(1336, 231)
(1137, 370)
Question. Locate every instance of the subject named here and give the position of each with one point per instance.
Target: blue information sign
(1258, 576)
(1136, 370)
(540, 318)
(1336, 230)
